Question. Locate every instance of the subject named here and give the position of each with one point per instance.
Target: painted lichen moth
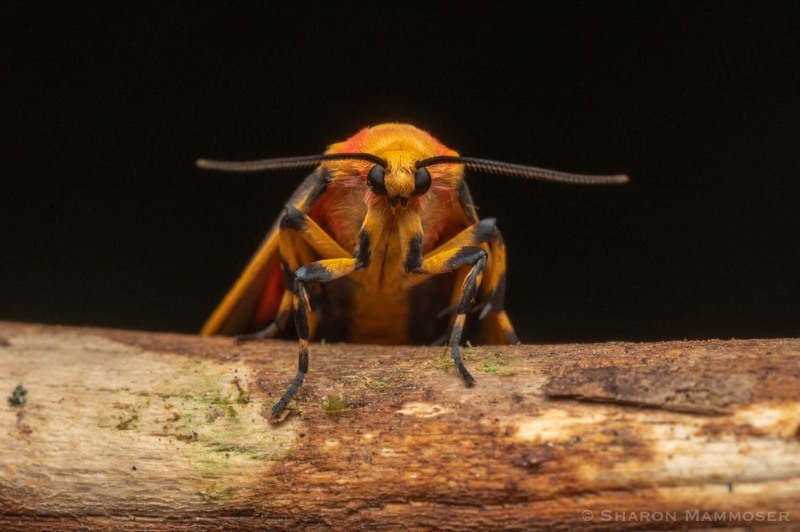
(382, 240)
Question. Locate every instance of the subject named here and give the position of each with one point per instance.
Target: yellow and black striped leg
(450, 260)
(496, 327)
(317, 272)
(301, 322)
(299, 235)
(300, 240)
(469, 290)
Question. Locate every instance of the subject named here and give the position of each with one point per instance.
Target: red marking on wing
(270, 300)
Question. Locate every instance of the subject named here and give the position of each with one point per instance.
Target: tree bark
(164, 431)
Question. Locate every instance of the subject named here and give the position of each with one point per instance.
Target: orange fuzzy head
(401, 146)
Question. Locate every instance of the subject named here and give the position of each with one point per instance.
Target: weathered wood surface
(140, 430)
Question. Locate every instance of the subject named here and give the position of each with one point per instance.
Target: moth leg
(495, 323)
(498, 328)
(448, 261)
(298, 235)
(316, 272)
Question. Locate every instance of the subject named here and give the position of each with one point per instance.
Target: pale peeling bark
(163, 431)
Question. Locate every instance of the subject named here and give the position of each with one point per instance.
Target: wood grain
(134, 430)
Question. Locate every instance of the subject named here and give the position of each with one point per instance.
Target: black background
(106, 222)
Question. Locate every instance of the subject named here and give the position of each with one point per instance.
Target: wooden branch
(140, 430)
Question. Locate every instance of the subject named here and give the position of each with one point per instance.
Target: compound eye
(422, 181)
(375, 180)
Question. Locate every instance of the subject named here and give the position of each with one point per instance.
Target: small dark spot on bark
(187, 438)
(730, 487)
(18, 396)
(133, 468)
(517, 398)
(535, 457)
(4, 342)
(129, 423)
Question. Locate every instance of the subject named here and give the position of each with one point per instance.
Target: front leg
(334, 265)
(448, 261)
(496, 328)
(320, 271)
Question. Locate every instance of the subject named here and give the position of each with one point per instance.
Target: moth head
(398, 183)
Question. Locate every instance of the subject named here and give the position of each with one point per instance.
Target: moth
(381, 244)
